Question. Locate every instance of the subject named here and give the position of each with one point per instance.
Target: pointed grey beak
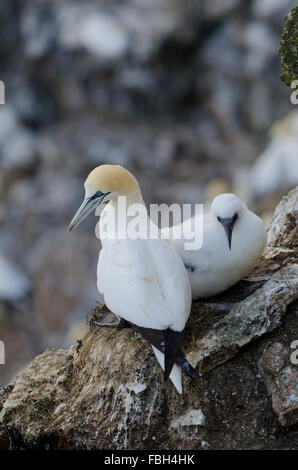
(228, 224)
(88, 206)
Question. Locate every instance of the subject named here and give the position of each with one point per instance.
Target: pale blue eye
(96, 195)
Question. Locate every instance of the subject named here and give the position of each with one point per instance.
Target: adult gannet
(233, 241)
(143, 281)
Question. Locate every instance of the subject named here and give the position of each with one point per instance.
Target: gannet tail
(175, 374)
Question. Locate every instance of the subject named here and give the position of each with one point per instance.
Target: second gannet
(143, 281)
(233, 241)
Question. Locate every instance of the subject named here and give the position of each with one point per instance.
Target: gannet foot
(185, 365)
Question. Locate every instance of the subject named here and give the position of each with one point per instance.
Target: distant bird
(143, 281)
(233, 241)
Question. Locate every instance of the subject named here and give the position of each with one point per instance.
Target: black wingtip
(167, 374)
(169, 362)
(173, 341)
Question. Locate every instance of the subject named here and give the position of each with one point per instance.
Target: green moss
(289, 48)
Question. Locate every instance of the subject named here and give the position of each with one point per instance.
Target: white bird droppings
(190, 418)
(137, 387)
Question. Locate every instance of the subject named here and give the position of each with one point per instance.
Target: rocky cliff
(107, 391)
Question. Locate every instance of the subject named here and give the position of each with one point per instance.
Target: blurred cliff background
(187, 95)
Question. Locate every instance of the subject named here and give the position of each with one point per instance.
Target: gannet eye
(235, 216)
(95, 196)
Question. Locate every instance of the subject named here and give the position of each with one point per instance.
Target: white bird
(139, 277)
(233, 241)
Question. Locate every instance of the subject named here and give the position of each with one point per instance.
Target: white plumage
(139, 280)
(143, 281)
(215, 267)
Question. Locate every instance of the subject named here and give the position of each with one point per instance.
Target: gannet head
(227, 209)
(103, 184)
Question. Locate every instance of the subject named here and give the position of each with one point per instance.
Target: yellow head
(103, 184)
(113, 179)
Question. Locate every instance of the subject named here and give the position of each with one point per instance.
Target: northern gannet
(233, 241)
(143, 281)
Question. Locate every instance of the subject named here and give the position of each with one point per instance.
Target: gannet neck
(118, 214)
(130, 198)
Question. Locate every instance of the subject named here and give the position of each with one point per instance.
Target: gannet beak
(228, 225)
(88, 206)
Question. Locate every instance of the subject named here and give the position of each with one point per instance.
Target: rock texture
(289, 48)
(108, 391)
(255, 316)
(284, 229)
(281, 378)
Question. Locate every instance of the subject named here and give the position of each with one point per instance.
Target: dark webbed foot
(185, 365)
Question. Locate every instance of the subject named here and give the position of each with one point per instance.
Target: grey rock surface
(281, 378)
(255, 316)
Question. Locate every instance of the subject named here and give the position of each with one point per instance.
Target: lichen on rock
(258, 314)
(289, 48)
(281, 378)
